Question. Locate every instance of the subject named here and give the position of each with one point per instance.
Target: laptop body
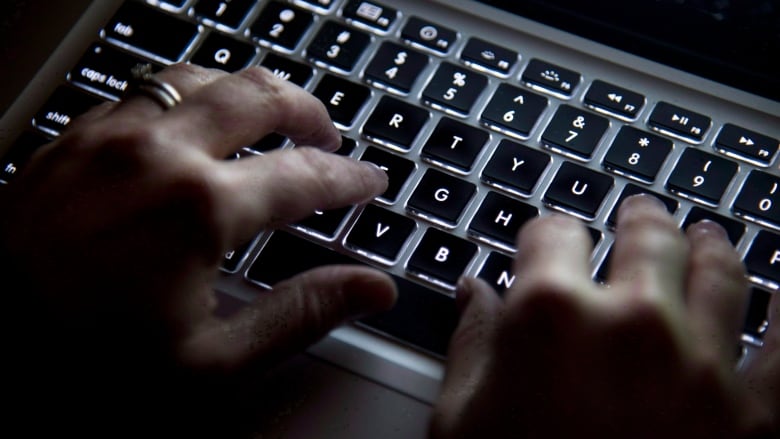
(690, 99)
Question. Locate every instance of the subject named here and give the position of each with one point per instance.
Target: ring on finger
(162, 92)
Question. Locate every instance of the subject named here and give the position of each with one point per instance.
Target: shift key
(150, 31)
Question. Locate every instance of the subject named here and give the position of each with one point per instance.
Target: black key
(513, 111)
(226, 13)
(734, 229)
(338, 46)
(759, 199)
(701, 176)
(105, 70)
(268, 143)
(488, 57)
(595, 236)
(64, 105)
(395, 67)
(19, 154)
(398, 170)
(380, 232)
(631, 189)
(370, 15)
(287, 69)
(613, 100)
(441, 257)
(441, 197)
(515, 168)
(281, 25)
(574, 132)
(421, 316)
(603, 271)
(326, 223)
(347, 146)
(220, 51)
(679, 122)
(176, 4)
(454, 144)
(757, 318)
(499, 218)
(578, 190)
(232, 260)
(428, 35)
(551, 78)
(150, 31)
(747, 145)
(497, 271)
(637, 154)
(454, 89)
(763, 259)
(322, 6)
(342, 98)
(395, 124)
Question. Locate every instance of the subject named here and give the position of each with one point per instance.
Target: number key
(338, 46)
(574, 132)
(759, 199)
(395, 67)
(513, 111)
(637, 154)
(454, 89)
(281, 25)
(701, 176)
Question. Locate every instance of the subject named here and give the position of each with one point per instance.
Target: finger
(469, 353)
(717, 290)
(284, 186)
(185, 78)
(95, 113)
(295, 314)
(553, 254)
(239, 109)
(650, 253)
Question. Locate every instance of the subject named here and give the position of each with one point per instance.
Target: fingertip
(368, 293)
(706, 229)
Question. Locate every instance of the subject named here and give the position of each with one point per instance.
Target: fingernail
(643, 199)
(707, 227)
(372, 295)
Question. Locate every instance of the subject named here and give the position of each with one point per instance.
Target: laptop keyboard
(476, 140)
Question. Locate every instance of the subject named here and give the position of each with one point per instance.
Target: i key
(701, 176)
(454, 89)
(759, 199)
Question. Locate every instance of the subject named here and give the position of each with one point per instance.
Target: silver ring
(162, 92)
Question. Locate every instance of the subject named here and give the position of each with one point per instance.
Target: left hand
(113, 234)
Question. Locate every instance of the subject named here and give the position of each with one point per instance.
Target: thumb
(289, 318)
(468, 355)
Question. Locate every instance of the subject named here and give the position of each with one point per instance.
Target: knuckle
(643, 324)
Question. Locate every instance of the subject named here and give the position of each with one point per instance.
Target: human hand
(652, 355)
(114, 232)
